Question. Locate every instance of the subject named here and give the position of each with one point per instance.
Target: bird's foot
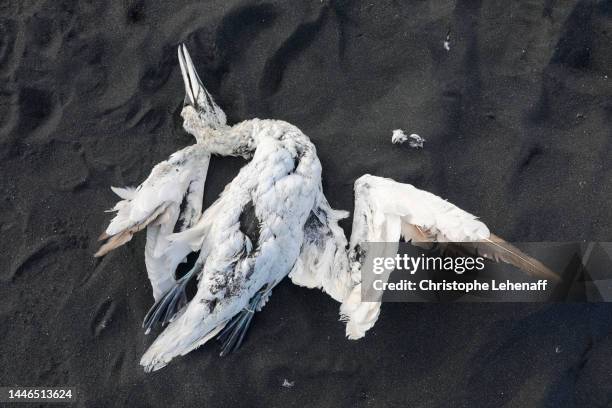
(166, 307)
(233, 333)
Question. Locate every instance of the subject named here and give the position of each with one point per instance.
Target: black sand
(517, 117)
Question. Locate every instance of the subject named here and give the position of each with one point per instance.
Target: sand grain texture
(517, 117)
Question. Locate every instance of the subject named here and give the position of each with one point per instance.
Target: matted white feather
(156, 205)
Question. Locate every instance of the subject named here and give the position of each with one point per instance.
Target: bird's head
(203, 118)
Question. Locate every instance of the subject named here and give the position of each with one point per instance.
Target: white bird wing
(169, 200)
(386, 210)
(322, 262)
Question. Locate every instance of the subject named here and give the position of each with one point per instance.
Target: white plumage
(254, 241)
(169, 200)
(272, 220)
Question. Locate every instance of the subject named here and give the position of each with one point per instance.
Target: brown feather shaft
(114, 242)
(506, 252)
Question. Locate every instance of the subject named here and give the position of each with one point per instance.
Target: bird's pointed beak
(196, 94)
(193, 84)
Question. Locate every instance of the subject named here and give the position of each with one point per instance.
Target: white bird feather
(169, 199)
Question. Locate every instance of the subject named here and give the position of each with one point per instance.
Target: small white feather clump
(415, 141)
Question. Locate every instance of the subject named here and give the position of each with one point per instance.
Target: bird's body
(251, 236)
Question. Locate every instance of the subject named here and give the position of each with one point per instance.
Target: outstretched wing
(386, 211)
(169, 200)
(322, 262)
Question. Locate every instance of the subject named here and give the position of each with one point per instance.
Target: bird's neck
(234, 140)
(243, 138)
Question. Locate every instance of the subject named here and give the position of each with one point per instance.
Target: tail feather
(233, 334)
(199, 323)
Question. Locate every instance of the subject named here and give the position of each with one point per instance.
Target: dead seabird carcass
(273, 220)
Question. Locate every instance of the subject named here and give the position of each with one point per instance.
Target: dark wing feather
(498, 250)
(494, 248)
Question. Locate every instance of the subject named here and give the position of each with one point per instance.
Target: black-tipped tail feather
(164, 310)
(232, 335)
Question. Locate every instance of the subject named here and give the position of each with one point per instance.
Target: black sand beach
(517, 119)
